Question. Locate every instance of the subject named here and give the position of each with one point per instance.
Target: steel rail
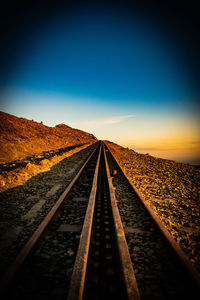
(34, 239)
(76, 288)
(167, 236)
(130, 284)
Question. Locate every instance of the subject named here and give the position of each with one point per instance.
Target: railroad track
(59, 263)
(103, 268)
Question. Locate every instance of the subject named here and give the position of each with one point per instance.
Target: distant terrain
(20, 138)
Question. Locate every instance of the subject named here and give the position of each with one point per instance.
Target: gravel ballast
(24, 207)
(172, 190)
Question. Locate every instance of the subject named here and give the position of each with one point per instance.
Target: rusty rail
(130, 284)
(79, 271)
(32, 242)
(165, 233)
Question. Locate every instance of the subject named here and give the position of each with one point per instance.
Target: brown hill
(20, 138)
(172, 190)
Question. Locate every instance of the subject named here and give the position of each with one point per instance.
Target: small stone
(70, 252)
(136, 249)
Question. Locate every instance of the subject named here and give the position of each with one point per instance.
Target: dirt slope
(20, 138)
(172, 190)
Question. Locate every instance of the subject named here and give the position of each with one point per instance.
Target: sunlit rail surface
(84, 250)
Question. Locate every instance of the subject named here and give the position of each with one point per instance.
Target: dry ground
(20, 138)
(27, 168)
(172, 190)
(28, 148)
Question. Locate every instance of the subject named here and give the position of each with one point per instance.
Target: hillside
(172, 190)
(20, 138)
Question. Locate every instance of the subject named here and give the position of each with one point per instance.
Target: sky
(126, 73)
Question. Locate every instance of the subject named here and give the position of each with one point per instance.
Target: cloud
(149, 148)
(195, 142)
(101, 122)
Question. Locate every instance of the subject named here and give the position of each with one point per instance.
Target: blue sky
(118, 75)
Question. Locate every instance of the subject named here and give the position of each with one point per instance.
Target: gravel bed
(24, 207)
(48, 273)
(158, 273)
(172, 190)
(18, 172)
(35, 158)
